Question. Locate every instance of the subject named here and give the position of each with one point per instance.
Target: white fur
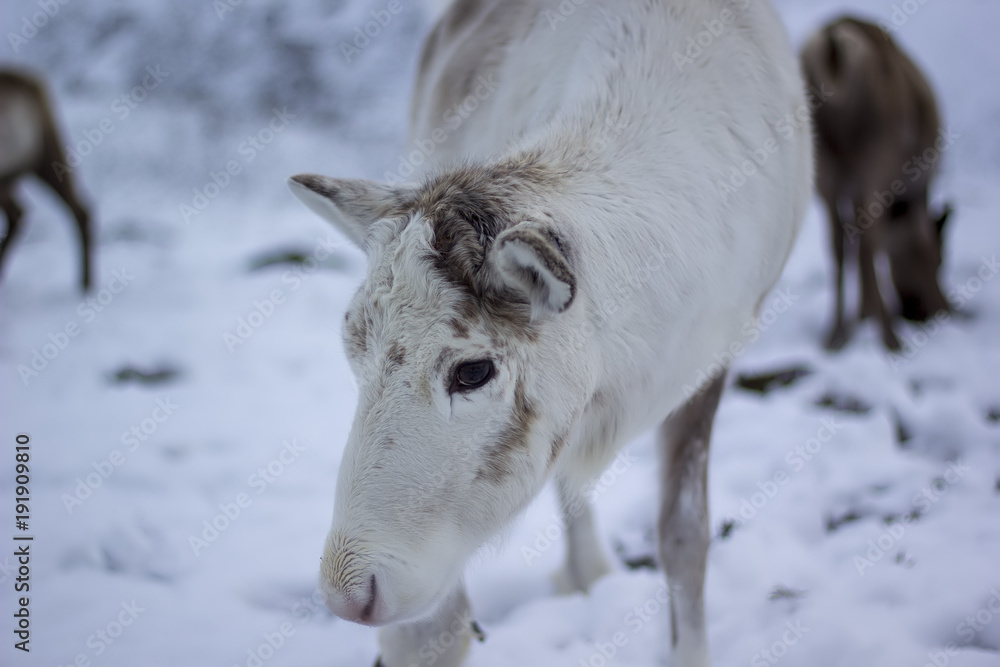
(668, 269)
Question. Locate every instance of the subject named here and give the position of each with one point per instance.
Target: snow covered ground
(866, 532)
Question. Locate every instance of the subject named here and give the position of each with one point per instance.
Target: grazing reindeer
(29, 144)
(873, 137)
(548, 289)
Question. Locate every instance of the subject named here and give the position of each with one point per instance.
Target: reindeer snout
(349, 581)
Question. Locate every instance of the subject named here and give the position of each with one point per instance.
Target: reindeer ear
(352, 205)
(529, 259)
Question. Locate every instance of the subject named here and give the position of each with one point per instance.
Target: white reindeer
(550, 286)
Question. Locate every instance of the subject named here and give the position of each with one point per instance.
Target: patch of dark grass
(834, 523)
(297, 257)
(156, 376)
(785, 593)
(764, 383)
(843, 403)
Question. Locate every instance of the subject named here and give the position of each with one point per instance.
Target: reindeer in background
(30, 144)
(878, 141)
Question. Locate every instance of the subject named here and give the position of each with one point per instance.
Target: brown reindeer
(878, 141)
(29, 144)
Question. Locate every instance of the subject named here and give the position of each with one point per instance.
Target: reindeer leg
(14, 213)
(86, 248)
(441, 640)
(62, 184)
(585, 561)
(683, 526)
(871, 299)
(839, 332)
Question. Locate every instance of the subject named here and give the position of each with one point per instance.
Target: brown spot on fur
(356, 335)
(460, 328)
(558, 444)
(470, 206)
(395, 356)
(424, 390)
(467, 209)
(505, 314)
(513, 440)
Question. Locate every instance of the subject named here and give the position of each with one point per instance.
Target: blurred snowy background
(858, 505)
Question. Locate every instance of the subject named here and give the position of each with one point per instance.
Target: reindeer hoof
(569, 580)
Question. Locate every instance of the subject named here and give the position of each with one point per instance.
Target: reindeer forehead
(427, 267)
(405, 300)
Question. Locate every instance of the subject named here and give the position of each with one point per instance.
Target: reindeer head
(465, 394)
(913, 242)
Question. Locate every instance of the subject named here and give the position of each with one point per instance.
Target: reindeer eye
(472, 375)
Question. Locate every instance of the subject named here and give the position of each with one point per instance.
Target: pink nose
(358, 605)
